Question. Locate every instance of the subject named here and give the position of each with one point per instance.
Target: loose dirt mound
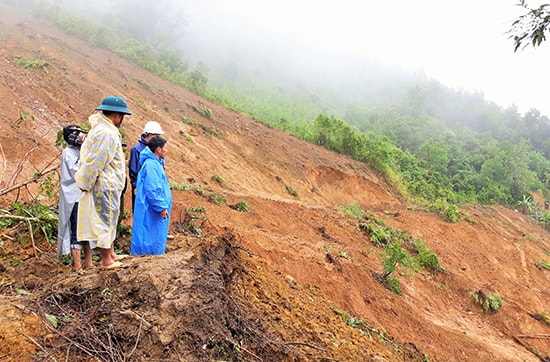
(205, 301)
(292, 279)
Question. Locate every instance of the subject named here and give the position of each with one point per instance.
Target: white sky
(462, 43)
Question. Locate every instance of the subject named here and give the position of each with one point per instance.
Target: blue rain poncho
(149, 228)
(101, 175)
(69, 194)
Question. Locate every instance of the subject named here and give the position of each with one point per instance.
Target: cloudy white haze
(463, 44)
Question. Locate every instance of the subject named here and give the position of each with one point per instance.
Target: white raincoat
(101, 175)
(69, 194)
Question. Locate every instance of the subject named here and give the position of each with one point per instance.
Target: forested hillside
(431, 142)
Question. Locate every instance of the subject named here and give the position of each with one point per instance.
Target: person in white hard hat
(151, 129)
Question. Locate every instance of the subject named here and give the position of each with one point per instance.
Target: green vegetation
(31, 217)
(352, 210)
(291, 191)
(192, 221)
(446, 210)
(206, 112)
(395, 255)
(28, 64)
(530, 28)
(435, 146)
(218, 179)
(340, 254)
(186, 187)
(541, 264)
(366, 330)
(491, 302)
(241, 206)
(207, 129)
(217, 198)
(399, 250)
(352, 321)
(426, 258)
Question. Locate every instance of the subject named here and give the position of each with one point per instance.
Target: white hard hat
(152, 127)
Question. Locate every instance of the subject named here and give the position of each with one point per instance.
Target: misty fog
(348, 49)
(240, 47)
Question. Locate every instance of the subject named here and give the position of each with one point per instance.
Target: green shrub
(27, 64)
(218, 179)
(217, 199)
(491, 302)
(393, 284)
(206, 112)
(186, 187)
(425, 257)
(447, 211)
(241, 206)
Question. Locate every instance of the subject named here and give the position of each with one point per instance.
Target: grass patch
(217, 198)
(29, 64)
(352, 209)
(186, 187)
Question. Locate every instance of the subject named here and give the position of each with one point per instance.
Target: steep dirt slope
(268, 281)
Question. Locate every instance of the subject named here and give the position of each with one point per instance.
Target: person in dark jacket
(150, 130)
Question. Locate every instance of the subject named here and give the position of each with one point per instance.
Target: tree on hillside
(531, 27)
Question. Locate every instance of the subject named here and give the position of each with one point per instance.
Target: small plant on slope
(491, 302)
(395, 255)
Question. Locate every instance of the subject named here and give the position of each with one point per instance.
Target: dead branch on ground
(34, 178)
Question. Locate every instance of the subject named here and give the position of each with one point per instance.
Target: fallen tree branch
(32, 239)
(32, 179)
(542, 336)
(137, 317)
(305, 344)
(38, 345)
(21, 218)
(529, 348)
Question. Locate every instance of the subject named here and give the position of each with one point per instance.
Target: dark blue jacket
(134, 160)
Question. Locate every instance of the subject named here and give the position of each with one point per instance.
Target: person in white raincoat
(153, 201)
(101, 177)
(69, 194)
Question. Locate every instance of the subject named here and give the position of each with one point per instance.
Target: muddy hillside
(289, 277)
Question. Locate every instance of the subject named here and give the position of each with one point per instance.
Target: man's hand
(164, 214)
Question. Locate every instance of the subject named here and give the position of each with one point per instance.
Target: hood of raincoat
(147, 154)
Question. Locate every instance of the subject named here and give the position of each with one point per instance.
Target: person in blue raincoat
(153, 202)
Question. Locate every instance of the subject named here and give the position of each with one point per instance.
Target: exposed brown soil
(262, 285)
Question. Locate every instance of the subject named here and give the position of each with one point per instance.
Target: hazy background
(462, 44)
